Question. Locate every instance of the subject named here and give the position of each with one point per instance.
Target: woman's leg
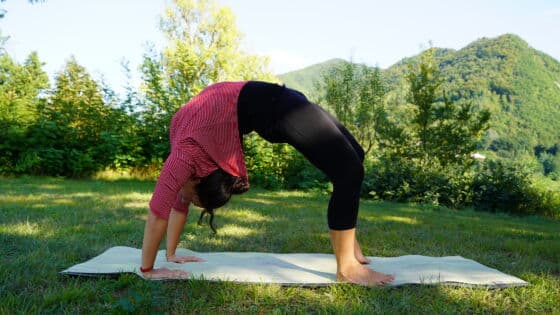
(357, 147)
(279, 114)
(317, 136)
(361, 154)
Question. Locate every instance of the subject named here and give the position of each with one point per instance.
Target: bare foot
(359, 255)
(364, 276)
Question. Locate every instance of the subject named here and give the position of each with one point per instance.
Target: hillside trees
(424, 153)
(515, 82)
(549, 158)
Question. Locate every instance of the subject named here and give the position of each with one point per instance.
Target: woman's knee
(361, 153)
(351, 173)
(358, 172)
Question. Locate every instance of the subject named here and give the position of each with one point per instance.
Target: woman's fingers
(183, 259)
(193, 259)
(164, 273)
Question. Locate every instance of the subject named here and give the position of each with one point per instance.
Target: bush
(301, 174)
(264, 163)
(402, 180)
(493, 186)
(29, 162)
(549, 189)
(500, 186)
(280, 166)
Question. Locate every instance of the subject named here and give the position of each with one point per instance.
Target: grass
(49, 224)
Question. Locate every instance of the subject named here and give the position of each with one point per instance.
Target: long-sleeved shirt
(204, 136)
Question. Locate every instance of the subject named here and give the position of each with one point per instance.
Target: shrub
(404, 180)
(501, 186)
(264, 163)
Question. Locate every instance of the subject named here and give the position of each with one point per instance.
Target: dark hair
(215, 190)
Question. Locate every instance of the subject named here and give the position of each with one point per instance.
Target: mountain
(518, 84)
(305, 79)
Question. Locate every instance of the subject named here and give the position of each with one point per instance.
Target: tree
(76, 133)
(427, 142)
(445, 132)
(203, 47)
(21, 86)
(549, 158)
(77, 102)
(356, 95)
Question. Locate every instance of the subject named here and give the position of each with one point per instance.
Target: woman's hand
(164, 273)
(183, 259)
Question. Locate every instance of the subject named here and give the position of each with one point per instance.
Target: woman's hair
(215, 190)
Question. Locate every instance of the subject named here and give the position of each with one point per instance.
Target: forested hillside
(306, 79)
(519, 85)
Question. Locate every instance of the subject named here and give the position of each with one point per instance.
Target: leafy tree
(21, 86)
(76, 133)
(444, 130)
(507, 186)
(203, 47)
(356, 94)
(157, 108)
(426, 143)
(77, 102)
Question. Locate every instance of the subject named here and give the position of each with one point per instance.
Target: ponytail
(215, 190)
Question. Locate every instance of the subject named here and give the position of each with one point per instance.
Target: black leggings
(282, 115)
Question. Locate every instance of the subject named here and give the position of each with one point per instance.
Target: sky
(100, 34)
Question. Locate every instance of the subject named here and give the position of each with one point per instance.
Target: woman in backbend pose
(206, 136)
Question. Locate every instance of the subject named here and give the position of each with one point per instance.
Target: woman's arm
(176, 224)
(153, 233)
(177, 219)
(175, 173)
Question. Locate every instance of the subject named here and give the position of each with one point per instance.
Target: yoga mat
(301, 269)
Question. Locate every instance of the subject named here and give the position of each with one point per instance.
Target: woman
(206, 135)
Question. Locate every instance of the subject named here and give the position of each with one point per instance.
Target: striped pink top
(204, 137)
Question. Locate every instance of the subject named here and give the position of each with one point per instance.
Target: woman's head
(215, 190)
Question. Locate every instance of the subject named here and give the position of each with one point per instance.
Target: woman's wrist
(144, 270)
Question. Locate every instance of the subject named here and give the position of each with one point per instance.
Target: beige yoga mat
(301, 269)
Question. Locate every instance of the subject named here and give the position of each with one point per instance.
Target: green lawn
(47, 225)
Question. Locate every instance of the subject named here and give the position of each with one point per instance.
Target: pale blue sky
(294, 33)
